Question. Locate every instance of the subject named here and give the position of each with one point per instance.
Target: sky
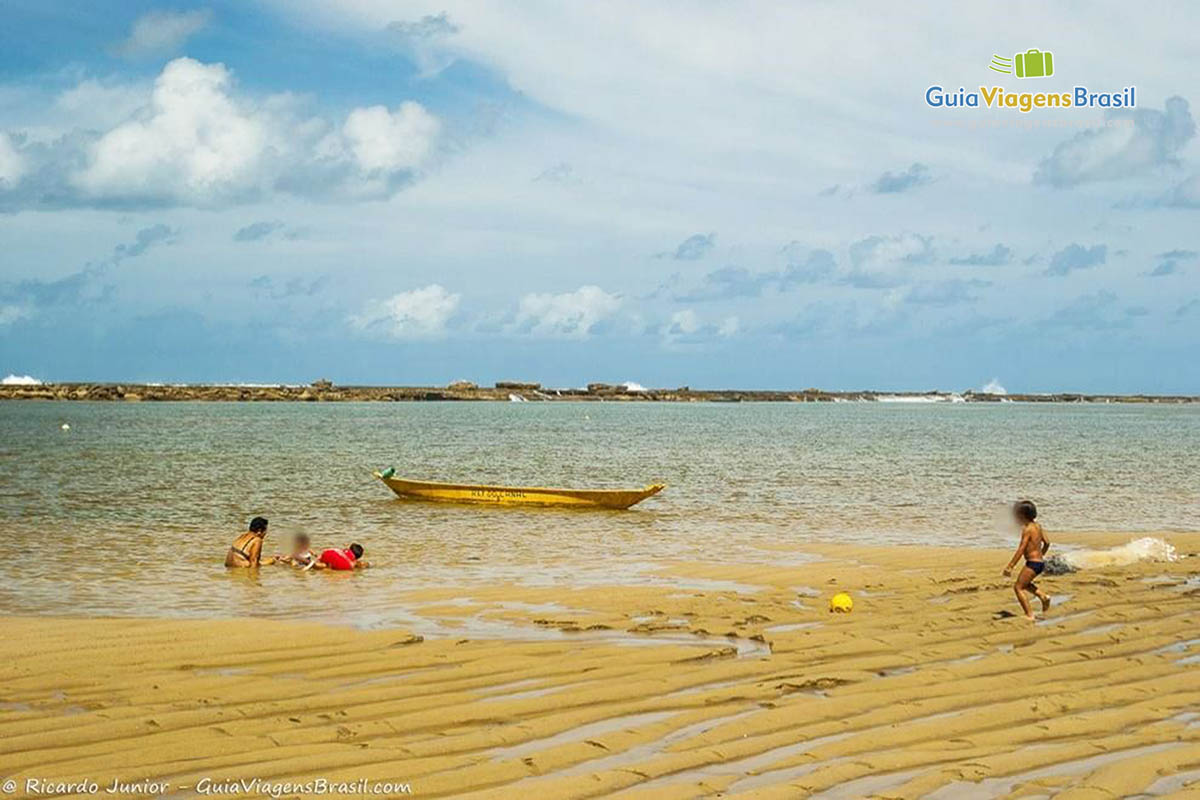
(712, 194)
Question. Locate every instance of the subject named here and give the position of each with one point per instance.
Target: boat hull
(517, 495)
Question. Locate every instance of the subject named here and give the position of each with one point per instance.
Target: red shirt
(338, 559)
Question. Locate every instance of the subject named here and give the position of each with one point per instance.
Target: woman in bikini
(246, 550)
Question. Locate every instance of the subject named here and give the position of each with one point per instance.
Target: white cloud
(737, 77)
(12, 166)
(1151, 139)
(100, 105)
(684, 322)
(896, 182)
(159, 33)
(195, 144)
(389, 141)
(882, 251)
(886, 261)
(571, 314)
(415, 314)
(10, 313)
(1185, 194)
(693, 248)
(420, 38)
(198, 143)
(684, 327)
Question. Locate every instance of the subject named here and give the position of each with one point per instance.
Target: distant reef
(325, 391)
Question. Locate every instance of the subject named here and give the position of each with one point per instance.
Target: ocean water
(130, 511)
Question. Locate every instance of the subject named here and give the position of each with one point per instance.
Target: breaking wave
(1148, 548)
(20, 380)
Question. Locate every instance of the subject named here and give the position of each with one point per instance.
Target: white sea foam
(911, 398)
(630, 386)
(1148, 548)
(993, 387)
(20, 380)
(259, 385)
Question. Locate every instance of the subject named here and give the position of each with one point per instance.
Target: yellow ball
(841, 603)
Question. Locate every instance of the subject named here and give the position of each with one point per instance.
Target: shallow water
(131, 510)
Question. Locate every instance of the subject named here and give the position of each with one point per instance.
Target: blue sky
(752, 195)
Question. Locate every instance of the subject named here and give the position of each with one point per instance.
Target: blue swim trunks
(1036, 566)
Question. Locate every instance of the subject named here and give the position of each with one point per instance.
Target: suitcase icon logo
(1033, 63)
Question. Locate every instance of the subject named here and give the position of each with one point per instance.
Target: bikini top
(240, 543)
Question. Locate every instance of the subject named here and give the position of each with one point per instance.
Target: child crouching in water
(1033, 547)
(302, 555)
(349, 559)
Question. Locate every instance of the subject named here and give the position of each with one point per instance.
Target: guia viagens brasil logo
(1032, 63)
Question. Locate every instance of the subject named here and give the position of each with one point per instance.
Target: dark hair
(357, 549)
(1025, 509)
(258, 524)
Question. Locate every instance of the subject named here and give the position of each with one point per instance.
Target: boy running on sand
(1033, 547)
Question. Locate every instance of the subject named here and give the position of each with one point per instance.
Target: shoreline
(924, 690)
(511, 391)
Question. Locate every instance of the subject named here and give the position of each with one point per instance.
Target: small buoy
(841, 603)
(65, 427)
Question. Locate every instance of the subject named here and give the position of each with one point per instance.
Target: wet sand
(718, 679)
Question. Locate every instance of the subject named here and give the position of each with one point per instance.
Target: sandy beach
(716, 680)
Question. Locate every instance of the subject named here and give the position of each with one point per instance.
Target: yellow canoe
(517, 495)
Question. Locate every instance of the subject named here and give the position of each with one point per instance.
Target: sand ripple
(903, 698)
